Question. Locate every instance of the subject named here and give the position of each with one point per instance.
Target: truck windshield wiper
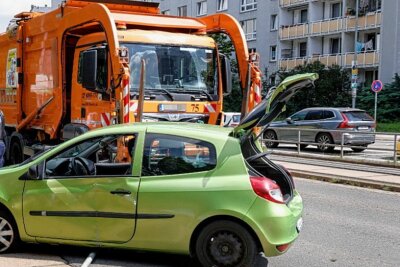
(205, 91)
(168, 93)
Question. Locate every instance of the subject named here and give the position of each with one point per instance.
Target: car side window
(299, 116)
(314, 115)
(101, 156)
(169, 154)
(328, 114)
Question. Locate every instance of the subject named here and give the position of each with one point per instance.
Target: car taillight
(345, 122)
(267, 189)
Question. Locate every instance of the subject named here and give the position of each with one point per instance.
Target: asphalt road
(343, 226)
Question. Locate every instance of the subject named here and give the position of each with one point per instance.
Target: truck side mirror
(226, 74)
(89, 69)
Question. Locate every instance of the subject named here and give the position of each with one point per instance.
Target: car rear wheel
(225, 243)
(9, 237)
(359, 149)
(323, 140)
(269, 134)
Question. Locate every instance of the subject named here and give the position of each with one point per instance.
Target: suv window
(358, 116)
(314, 115)
(328, 114)
(299, 116)
(168, 154)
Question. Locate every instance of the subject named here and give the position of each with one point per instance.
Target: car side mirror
(33, 173)
(289, 120)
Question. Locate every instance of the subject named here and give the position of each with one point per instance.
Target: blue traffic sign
(376, 86)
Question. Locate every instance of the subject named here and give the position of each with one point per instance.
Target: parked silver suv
(317, 125)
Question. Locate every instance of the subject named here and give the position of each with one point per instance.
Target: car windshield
(358, 116)
(173, 68)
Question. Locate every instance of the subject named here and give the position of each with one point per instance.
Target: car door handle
(120, 192)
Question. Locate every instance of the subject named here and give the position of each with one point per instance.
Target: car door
(82, 195)
(311, 122)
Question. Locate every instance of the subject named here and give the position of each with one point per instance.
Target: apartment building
(287, 33)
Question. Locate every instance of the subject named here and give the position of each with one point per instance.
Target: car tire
(322, 140)
(270, 134)
(225, 243)
(9, 236)
(16, 152)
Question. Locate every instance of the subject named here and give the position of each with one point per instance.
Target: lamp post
(354, 69)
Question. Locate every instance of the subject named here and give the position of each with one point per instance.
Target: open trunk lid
(261, 116)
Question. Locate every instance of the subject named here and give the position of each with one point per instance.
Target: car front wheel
(225, 243)
(271, 135)
(8, 233)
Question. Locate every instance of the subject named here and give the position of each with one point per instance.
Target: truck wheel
(9, 236)
(270, 134)
(225, 243)
(323, 139)
(16, 151)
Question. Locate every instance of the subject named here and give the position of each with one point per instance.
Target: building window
(252, 50)
(274, 22)
(249, 28)
(247, 5)
(336, 10)
(272, 80)
(303, 49)
(335, 46)
(166, 12)
(272, 53)
(303, 16)
(182, 11)
(202, 8)
(222, 5)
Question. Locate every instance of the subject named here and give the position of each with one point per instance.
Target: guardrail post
(395, 150)
(298, 141)
(341, 146)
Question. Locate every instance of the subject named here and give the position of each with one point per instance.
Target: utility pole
(354, 68)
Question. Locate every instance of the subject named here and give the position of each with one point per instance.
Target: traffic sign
(376, 86)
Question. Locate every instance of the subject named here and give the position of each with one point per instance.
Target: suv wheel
(270, 134)
(323, 140)
(226, 243)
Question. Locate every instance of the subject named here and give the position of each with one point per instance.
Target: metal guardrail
(391, 137)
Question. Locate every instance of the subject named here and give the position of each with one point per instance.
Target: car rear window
(358, 116)
(236, 118)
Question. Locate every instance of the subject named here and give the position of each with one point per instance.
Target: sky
(9, 8)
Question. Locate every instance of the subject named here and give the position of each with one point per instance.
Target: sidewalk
(368, 179)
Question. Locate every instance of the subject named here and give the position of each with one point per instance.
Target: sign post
(376, 87)
(354, 82)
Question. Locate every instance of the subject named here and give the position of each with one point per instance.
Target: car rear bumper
(276, 224)
(355, 138)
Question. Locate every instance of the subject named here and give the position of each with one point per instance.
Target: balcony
(330, 26)
(290, 3)
(364, 60)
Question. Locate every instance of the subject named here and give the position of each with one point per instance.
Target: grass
(393, 127)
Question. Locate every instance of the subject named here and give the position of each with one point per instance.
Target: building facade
(287, 33)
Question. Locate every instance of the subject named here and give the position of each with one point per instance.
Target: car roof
(343, 109)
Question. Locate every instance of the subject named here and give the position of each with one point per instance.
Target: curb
(346, 180)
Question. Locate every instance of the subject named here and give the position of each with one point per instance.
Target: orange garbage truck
(78, 67)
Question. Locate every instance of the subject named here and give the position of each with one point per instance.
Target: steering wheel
(79, 166)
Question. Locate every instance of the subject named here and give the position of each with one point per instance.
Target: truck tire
(16, 150)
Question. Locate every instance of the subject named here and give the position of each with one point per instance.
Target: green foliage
(388, 101)
(332, 89)
(392, 127)
(232, 102)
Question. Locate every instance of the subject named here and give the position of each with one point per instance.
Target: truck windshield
(174, 68)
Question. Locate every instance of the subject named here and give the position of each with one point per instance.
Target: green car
(191, 189)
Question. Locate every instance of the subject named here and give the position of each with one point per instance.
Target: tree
(332, 89)
(388, 101)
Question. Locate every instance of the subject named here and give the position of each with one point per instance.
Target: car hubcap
(6, 234)
(271, 136)
(225, 249)
(323, 140)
